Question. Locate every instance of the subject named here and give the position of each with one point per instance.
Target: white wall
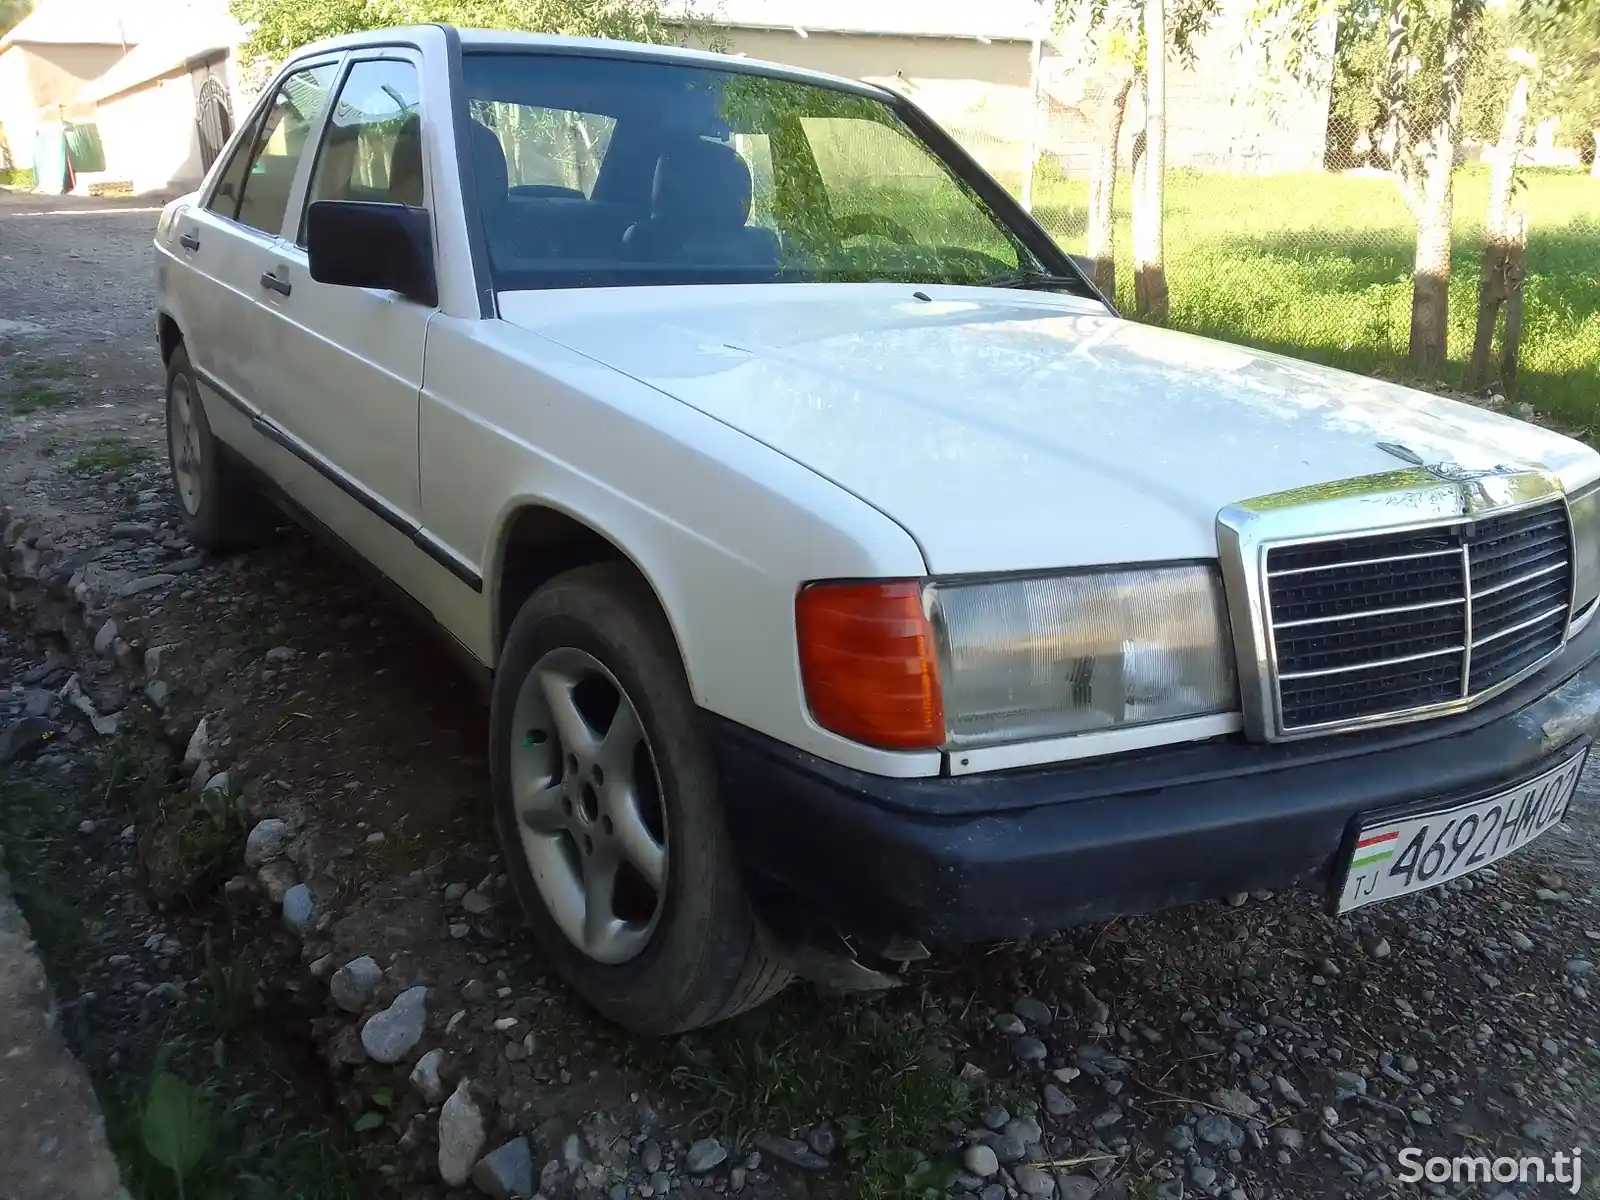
(149, 136)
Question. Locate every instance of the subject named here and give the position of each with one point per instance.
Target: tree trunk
(1492, 286)
(1516, 273)
(1031, 166)
(1149, 272)
(1433, 203)
(1102, 239)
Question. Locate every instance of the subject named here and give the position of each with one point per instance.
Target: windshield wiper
(1032, 279)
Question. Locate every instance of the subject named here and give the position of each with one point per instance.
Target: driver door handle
(189, 241)
(276, 283)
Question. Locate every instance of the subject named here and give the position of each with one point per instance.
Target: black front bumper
(974, 857)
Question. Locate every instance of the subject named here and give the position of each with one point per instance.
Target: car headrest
(489, 162)
(405, 163)
(701, 183)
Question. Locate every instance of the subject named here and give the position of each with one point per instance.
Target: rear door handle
(277, 284)
(189, 242)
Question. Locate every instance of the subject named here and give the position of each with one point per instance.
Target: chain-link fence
(1285, 227)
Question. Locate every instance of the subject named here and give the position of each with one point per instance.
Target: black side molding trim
(481, 675)
(420, 538)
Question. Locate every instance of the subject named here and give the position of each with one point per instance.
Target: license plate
(1410, 854)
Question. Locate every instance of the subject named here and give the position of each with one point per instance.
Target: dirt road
(1259, 1050)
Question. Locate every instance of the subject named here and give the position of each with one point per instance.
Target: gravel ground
(1256, 1049)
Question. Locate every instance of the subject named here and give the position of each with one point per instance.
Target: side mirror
(353, 243)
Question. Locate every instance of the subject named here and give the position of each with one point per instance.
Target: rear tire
(221, 509)
(691, 954)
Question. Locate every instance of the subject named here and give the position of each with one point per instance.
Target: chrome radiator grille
(1377, 625)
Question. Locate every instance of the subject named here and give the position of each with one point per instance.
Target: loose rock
(22, 738)
(461, 1136)
(981, 1161)
(1032, 1010)
(795, 1153)
(392, 1034)
(823, 1140)
(1033, 1182)
(199, 748)
(1217, 1130)
(507, 1172)
(1029, 1049)
(299, 908)
(268, 840)
(1056, 1102)
(352, 985)
(704, 1155)
(425, 1076)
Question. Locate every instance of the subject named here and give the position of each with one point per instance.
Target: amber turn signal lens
(867, 662)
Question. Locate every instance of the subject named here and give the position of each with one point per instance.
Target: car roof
(491, 40)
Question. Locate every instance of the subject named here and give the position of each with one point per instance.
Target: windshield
(615, 171)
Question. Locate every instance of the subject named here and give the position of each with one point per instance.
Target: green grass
(22, 177)
(226, 1148)
(189, 843)
(800, 1063)
(36, 387)
(110, 457)
(1319, 266)
(33, 397)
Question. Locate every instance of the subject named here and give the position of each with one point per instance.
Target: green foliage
(12, 11)
(1564, 36)
(1361, 62)
(228, 1149)
(1319, 266)
(279, 26)
(110, 457)
(799, 1063)
(1119, 27)
(175, 1127)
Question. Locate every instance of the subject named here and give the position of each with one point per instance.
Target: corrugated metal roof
(996, 20)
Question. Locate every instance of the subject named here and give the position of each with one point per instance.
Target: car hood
(1013, 430)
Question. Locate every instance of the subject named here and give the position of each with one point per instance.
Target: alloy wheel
(589, 806)
(184, 439)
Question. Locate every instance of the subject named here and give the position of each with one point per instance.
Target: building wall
(977, 91)
(35, 77)
(1229, 112)
(16, 109)
(150, 137)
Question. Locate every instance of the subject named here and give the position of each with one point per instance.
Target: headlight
(1585, 548)
(905, 665)
(1057, 654)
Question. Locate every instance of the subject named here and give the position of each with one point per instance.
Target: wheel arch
(537, 542)
(169, 335)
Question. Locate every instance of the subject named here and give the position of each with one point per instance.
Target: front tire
(606, 802)
(221, 510)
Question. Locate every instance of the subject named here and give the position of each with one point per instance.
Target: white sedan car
(847, 575)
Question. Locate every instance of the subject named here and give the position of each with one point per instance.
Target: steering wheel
(864, 224)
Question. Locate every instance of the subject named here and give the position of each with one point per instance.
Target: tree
(1504, 252)
(1149, 271)
(12, 11)
(278, 26)
(1417, 89)
(1113, 34)
(1424, 165)
(1564, 36)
